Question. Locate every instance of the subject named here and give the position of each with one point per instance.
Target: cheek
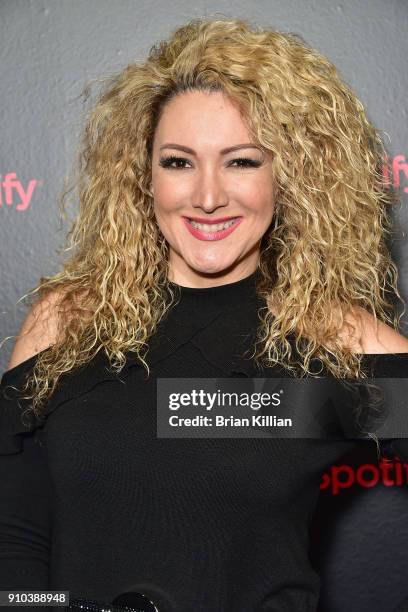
(258, 191)
(164, 200)
(166, 207)
(262, 211)
(169, 189)
(167, 195)
(260, 201)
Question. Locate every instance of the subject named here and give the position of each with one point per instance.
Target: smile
(213, 231)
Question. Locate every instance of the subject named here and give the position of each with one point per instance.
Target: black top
(93, 502)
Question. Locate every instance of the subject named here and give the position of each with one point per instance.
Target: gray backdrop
(49, 49)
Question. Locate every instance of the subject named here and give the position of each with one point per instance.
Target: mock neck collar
(224, 296)
(228, 311)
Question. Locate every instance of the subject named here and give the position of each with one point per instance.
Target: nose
(211, 192)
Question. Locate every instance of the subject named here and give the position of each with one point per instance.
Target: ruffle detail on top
(173, 333)
(14, 421)
(191, 315)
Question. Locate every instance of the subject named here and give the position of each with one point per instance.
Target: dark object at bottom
(126, 602)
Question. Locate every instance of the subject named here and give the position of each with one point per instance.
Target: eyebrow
(248, 145)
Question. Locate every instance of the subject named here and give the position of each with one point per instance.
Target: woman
(230, 199)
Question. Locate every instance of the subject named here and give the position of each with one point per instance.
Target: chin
(206, 271)
(213, 269)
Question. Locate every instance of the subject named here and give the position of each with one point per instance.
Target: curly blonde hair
(323, 254)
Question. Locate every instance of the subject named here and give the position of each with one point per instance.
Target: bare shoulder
(39, 329)
(374, 336)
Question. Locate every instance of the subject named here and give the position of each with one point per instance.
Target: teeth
(213, 227)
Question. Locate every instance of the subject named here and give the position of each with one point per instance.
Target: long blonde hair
(325, 246)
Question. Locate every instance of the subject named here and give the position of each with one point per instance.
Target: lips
(212, 236)
(210, 221)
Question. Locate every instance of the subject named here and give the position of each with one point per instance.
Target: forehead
(201, 117)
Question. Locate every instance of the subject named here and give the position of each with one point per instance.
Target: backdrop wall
(49, 50)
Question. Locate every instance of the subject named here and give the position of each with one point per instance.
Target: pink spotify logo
(14, 193)
(390, 473)
(397, 165)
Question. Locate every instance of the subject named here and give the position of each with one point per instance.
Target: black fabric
(93, 502)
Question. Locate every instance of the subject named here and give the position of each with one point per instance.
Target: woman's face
(195, 176)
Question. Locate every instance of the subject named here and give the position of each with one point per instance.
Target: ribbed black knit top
(93, 502)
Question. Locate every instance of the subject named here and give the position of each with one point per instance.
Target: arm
(25, 498)
(25, 483)
(25, 518)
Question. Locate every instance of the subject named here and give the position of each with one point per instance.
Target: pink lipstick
(205, 234)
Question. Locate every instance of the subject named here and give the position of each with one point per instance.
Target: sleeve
(25, 494)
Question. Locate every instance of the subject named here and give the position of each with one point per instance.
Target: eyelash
(166, 162)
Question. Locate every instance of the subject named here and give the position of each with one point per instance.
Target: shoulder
(39, 329)
(373, 336)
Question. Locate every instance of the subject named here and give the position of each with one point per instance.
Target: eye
(243, 162)
(166, 162)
